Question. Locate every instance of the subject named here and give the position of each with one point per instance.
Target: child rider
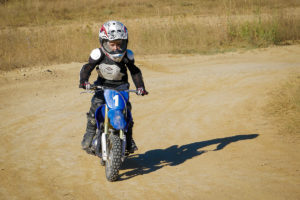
(113, 59)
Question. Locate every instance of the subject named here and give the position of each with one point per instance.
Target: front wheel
(114, 154)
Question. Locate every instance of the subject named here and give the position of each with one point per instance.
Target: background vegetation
(42, 32)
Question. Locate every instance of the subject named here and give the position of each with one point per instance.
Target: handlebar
(95, 88)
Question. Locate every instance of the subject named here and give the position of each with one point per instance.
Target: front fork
(105, 135)
(123, 140)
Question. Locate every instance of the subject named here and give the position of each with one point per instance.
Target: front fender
(117, 119)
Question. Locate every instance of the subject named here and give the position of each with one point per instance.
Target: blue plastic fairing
(116, 102)
(116, 99)
(117, 119)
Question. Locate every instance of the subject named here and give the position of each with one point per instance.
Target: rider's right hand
(86, 85)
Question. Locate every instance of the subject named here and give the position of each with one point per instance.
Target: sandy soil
(202, 132)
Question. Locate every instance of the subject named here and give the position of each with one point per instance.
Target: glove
(141, 91)
(86, 85)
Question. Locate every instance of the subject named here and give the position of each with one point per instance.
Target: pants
(91, 126)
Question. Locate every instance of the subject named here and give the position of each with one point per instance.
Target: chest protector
(110, 72)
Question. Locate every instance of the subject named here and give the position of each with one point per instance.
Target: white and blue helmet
(112, 31)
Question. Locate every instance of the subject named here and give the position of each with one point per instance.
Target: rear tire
(114, 154)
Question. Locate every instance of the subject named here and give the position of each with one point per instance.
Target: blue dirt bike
(113, 119)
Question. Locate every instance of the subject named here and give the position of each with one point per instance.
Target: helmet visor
(115, 46)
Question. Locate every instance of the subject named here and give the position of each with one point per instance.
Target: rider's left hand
(141, 91)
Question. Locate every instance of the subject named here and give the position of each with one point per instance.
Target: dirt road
(202, 132)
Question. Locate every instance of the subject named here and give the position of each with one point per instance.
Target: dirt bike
(113, 119)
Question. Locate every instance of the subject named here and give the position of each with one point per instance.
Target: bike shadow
(150, 161)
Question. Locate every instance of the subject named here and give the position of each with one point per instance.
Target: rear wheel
(114, 154)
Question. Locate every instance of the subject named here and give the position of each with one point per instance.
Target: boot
(89, 134)
(133, 146)
(87, 140)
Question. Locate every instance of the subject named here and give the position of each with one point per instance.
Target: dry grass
(21, 48)
(284, 108)
(41, 32)
(41, 12)
(264, 31)
(212, 34)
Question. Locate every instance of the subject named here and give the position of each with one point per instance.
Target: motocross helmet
(113, 31)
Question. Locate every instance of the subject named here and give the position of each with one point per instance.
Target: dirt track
(202, 132)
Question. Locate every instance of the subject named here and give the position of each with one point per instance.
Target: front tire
(114, 154)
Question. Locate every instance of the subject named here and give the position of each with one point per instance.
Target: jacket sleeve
(87, 68)
(135, 72)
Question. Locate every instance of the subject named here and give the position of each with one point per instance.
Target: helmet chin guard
(117, 57)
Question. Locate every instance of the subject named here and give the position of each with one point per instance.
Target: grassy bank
(284, 107)
(41, 32)
(15, 13)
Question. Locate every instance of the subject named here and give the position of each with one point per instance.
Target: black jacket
(110, 73)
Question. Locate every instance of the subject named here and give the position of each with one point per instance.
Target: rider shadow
(153, 160)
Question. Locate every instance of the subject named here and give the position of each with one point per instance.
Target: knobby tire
(113, 163)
